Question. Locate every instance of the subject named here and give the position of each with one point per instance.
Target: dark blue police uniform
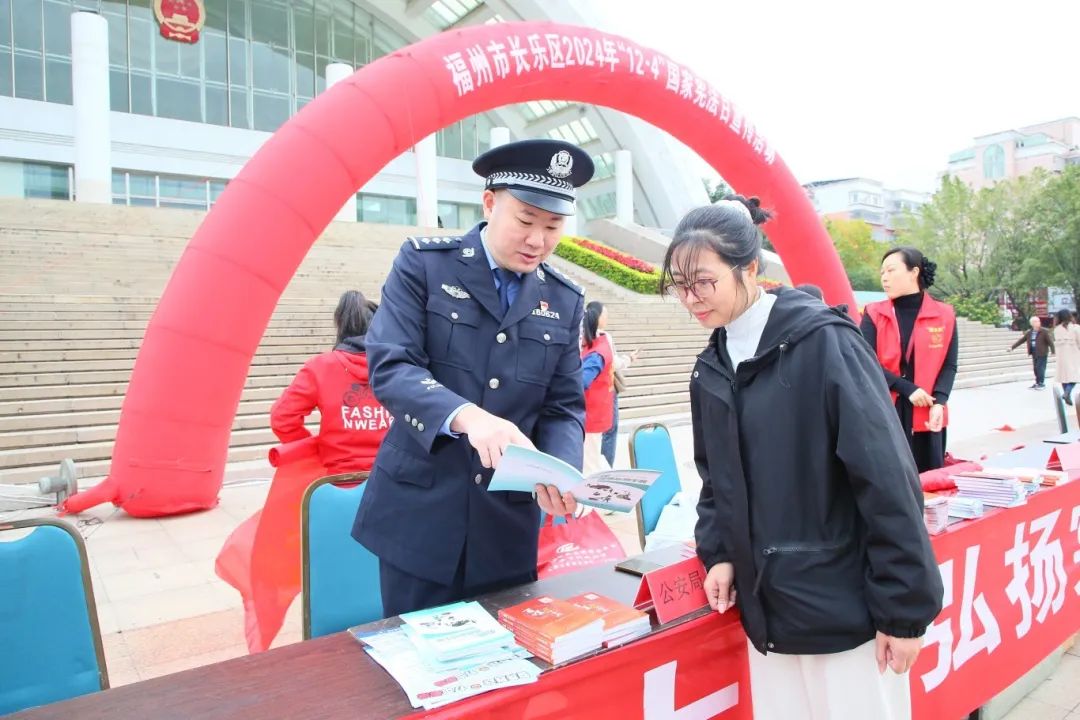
(442, 339)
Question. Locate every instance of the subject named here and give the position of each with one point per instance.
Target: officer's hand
(490, 435)
(554, 503)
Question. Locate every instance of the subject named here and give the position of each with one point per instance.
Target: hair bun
(758, 215)
(927, 270)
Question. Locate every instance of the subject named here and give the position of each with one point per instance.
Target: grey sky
(883, 90)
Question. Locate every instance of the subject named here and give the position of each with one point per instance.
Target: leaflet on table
(455, 631)
(522, 469)
(431, 688)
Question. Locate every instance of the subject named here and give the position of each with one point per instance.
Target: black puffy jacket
(809, 487)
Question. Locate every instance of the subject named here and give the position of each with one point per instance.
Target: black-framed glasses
(701, 289)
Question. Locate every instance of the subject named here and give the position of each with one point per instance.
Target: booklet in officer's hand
(522, 469)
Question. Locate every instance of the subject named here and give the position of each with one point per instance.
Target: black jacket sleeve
(896, 383)
(903, 588)
(710, 528)
(947, 376)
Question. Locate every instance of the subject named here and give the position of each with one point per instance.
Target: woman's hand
(720, 586)
(921, 398)
(897, 653)
(937, 418)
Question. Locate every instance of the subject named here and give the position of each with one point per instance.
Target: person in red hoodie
(352, 422)
(261, 558)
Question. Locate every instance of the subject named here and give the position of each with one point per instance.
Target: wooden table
(329, 677)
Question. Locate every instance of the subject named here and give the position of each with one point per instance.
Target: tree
(1008, 214)
(717, 190)
(949, 230)
(1057, 226)
(859, 253)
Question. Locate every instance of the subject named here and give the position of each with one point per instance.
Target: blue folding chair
(50, 642)
(340, 576)
(651, 449)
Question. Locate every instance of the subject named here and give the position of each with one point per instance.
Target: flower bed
(620, 257)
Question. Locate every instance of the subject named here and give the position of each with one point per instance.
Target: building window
(177, 191)
(994, 162)
(46, 181)
(386, 209)
(459, 215)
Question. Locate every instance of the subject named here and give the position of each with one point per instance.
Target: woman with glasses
(810, 515)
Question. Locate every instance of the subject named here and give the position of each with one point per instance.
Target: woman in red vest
(916, 343)
(598, 377)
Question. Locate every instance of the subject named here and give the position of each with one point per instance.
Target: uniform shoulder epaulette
(562, 278)
(426, 242)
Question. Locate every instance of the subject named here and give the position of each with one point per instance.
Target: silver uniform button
(478, 479)
(420, 427)
(547, 336)
(414, 422)
(500, 338)
(695, 373)
(453, 316)
(493, 383)
(769, 645)
(407, 418)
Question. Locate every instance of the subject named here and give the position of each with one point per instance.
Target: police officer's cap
(541, 173)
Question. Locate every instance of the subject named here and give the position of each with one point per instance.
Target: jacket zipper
(774, 549)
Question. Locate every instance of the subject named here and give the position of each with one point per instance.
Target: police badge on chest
(544, 312)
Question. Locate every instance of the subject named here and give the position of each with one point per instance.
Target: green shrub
(982, 311)
(616, 272)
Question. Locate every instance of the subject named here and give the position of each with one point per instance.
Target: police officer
(474, 348)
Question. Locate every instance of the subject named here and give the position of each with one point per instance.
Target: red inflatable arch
(173, 437)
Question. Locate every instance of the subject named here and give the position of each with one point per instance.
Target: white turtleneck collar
(744, 332)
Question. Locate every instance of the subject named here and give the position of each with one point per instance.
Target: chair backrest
(651, 449)
(340, 576)
(50, 643)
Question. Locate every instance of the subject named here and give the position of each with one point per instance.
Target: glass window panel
(117, 37)
(448, 215)
(269, 111)
(217, 61)
(216, 188)
(143, 202)
(58, 81)
(322, 33)
(142, 96)
(5, 25)
(178, 99)
(5, 72)
(45, 181)
(190, 59)
(305, 74)
(344, 42)
(217, 105)
(238, 19)
(372, 209)
(119, 185)
(166, 56)
(363, 51)
(29, 83)
(238, 61)
(141, 184)
(269, 23)
(180, 188)
(58, 27)
(468, 138)
(452, 139)
(119, 200)
(270, 68)
(320, 74)
(141, 35)
(483, 133)
(301, 102)
(27, 24)
(217, 15)
(238, 108)
(303, 28)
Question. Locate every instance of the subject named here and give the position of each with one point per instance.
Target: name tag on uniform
(544, 312)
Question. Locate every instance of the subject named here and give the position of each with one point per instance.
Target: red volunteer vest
(929, 342)
(600, 397)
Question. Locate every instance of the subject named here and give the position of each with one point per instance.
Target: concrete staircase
(78, 285)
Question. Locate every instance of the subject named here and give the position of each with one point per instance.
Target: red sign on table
(1065, 457)
(1012, 596)
(673, 591)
